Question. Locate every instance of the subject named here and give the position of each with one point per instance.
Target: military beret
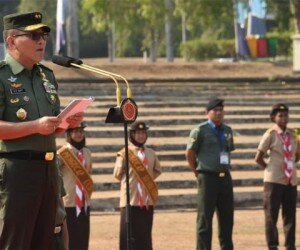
(138, 125)
(24, 21)
(278, 107)
(215, 102)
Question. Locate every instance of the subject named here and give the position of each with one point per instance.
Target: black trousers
(78, 228)
(141, 228)
(28, 202)
(276, 195)
(214, 193)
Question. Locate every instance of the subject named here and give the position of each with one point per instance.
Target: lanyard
(219, 134)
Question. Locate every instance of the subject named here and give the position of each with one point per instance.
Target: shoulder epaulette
(270, 130)
(201, 124)
(44, 67)
(295, 134)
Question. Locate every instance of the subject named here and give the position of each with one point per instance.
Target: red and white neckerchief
(80, 200)
(142, 196)
(286, 140)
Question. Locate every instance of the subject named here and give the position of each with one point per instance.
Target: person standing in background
(208, 154)
(141, 200)
(76, 201)
(281, 145)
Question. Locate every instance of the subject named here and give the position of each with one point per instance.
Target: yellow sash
(76, 167)
(143, 175)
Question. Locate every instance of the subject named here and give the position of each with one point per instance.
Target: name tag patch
(17, 91)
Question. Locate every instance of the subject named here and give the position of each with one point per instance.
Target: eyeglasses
(35, 36)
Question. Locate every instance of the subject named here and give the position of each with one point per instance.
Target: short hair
(7, 33)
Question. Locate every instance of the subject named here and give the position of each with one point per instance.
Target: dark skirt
(78, 228)
(141, 227)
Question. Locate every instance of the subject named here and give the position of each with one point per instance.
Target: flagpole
(236, 42)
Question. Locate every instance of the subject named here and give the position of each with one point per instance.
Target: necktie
(142, 196)
(285, 139)
(80, 192)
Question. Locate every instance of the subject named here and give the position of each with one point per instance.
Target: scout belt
(29, 155)
(81, 174)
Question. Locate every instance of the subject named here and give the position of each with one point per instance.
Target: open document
(74, 107)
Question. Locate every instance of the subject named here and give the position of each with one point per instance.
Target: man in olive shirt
(208, 154)
(29, 106)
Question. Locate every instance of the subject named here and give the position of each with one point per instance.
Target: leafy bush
(202, 49)
(284, 43)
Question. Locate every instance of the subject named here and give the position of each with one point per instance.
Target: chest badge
(12, 79)
(16, 100)
(26, 98)
(53, 98)
(21, 114)
(15, 85)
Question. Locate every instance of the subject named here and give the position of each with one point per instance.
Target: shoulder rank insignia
(269, 130)
(12, 79)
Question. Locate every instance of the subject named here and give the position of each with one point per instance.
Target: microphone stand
(125, 112)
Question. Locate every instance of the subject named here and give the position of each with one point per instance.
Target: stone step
(178, 166)
(169, 156)
(178, 198)
(181, 180)
(188, 120)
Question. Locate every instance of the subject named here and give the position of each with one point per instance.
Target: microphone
(65, 61)
(68, 62)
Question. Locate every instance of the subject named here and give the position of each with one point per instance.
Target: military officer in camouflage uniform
(208, 154)
(29, 105)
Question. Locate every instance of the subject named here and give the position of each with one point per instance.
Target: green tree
(110, 16)
(295, 7)
(7, 7)
(153, 12)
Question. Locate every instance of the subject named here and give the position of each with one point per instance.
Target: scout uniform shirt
(272, 146)
(26, 96)
(119, 173)
(208, 143)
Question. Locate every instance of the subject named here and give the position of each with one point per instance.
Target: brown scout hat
(277, 108)
(138, 125)
(24, 21)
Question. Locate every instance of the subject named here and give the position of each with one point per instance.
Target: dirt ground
(175, 229)
(137, 68)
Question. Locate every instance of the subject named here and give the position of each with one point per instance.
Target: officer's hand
(75, 120)
(47, 124)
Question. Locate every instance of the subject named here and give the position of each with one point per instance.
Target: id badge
(224, 158)
(290, 164)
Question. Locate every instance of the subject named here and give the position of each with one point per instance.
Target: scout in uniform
(29, 105)
(281, 145)
(76, 200)
(144, 168)
(208, 154)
